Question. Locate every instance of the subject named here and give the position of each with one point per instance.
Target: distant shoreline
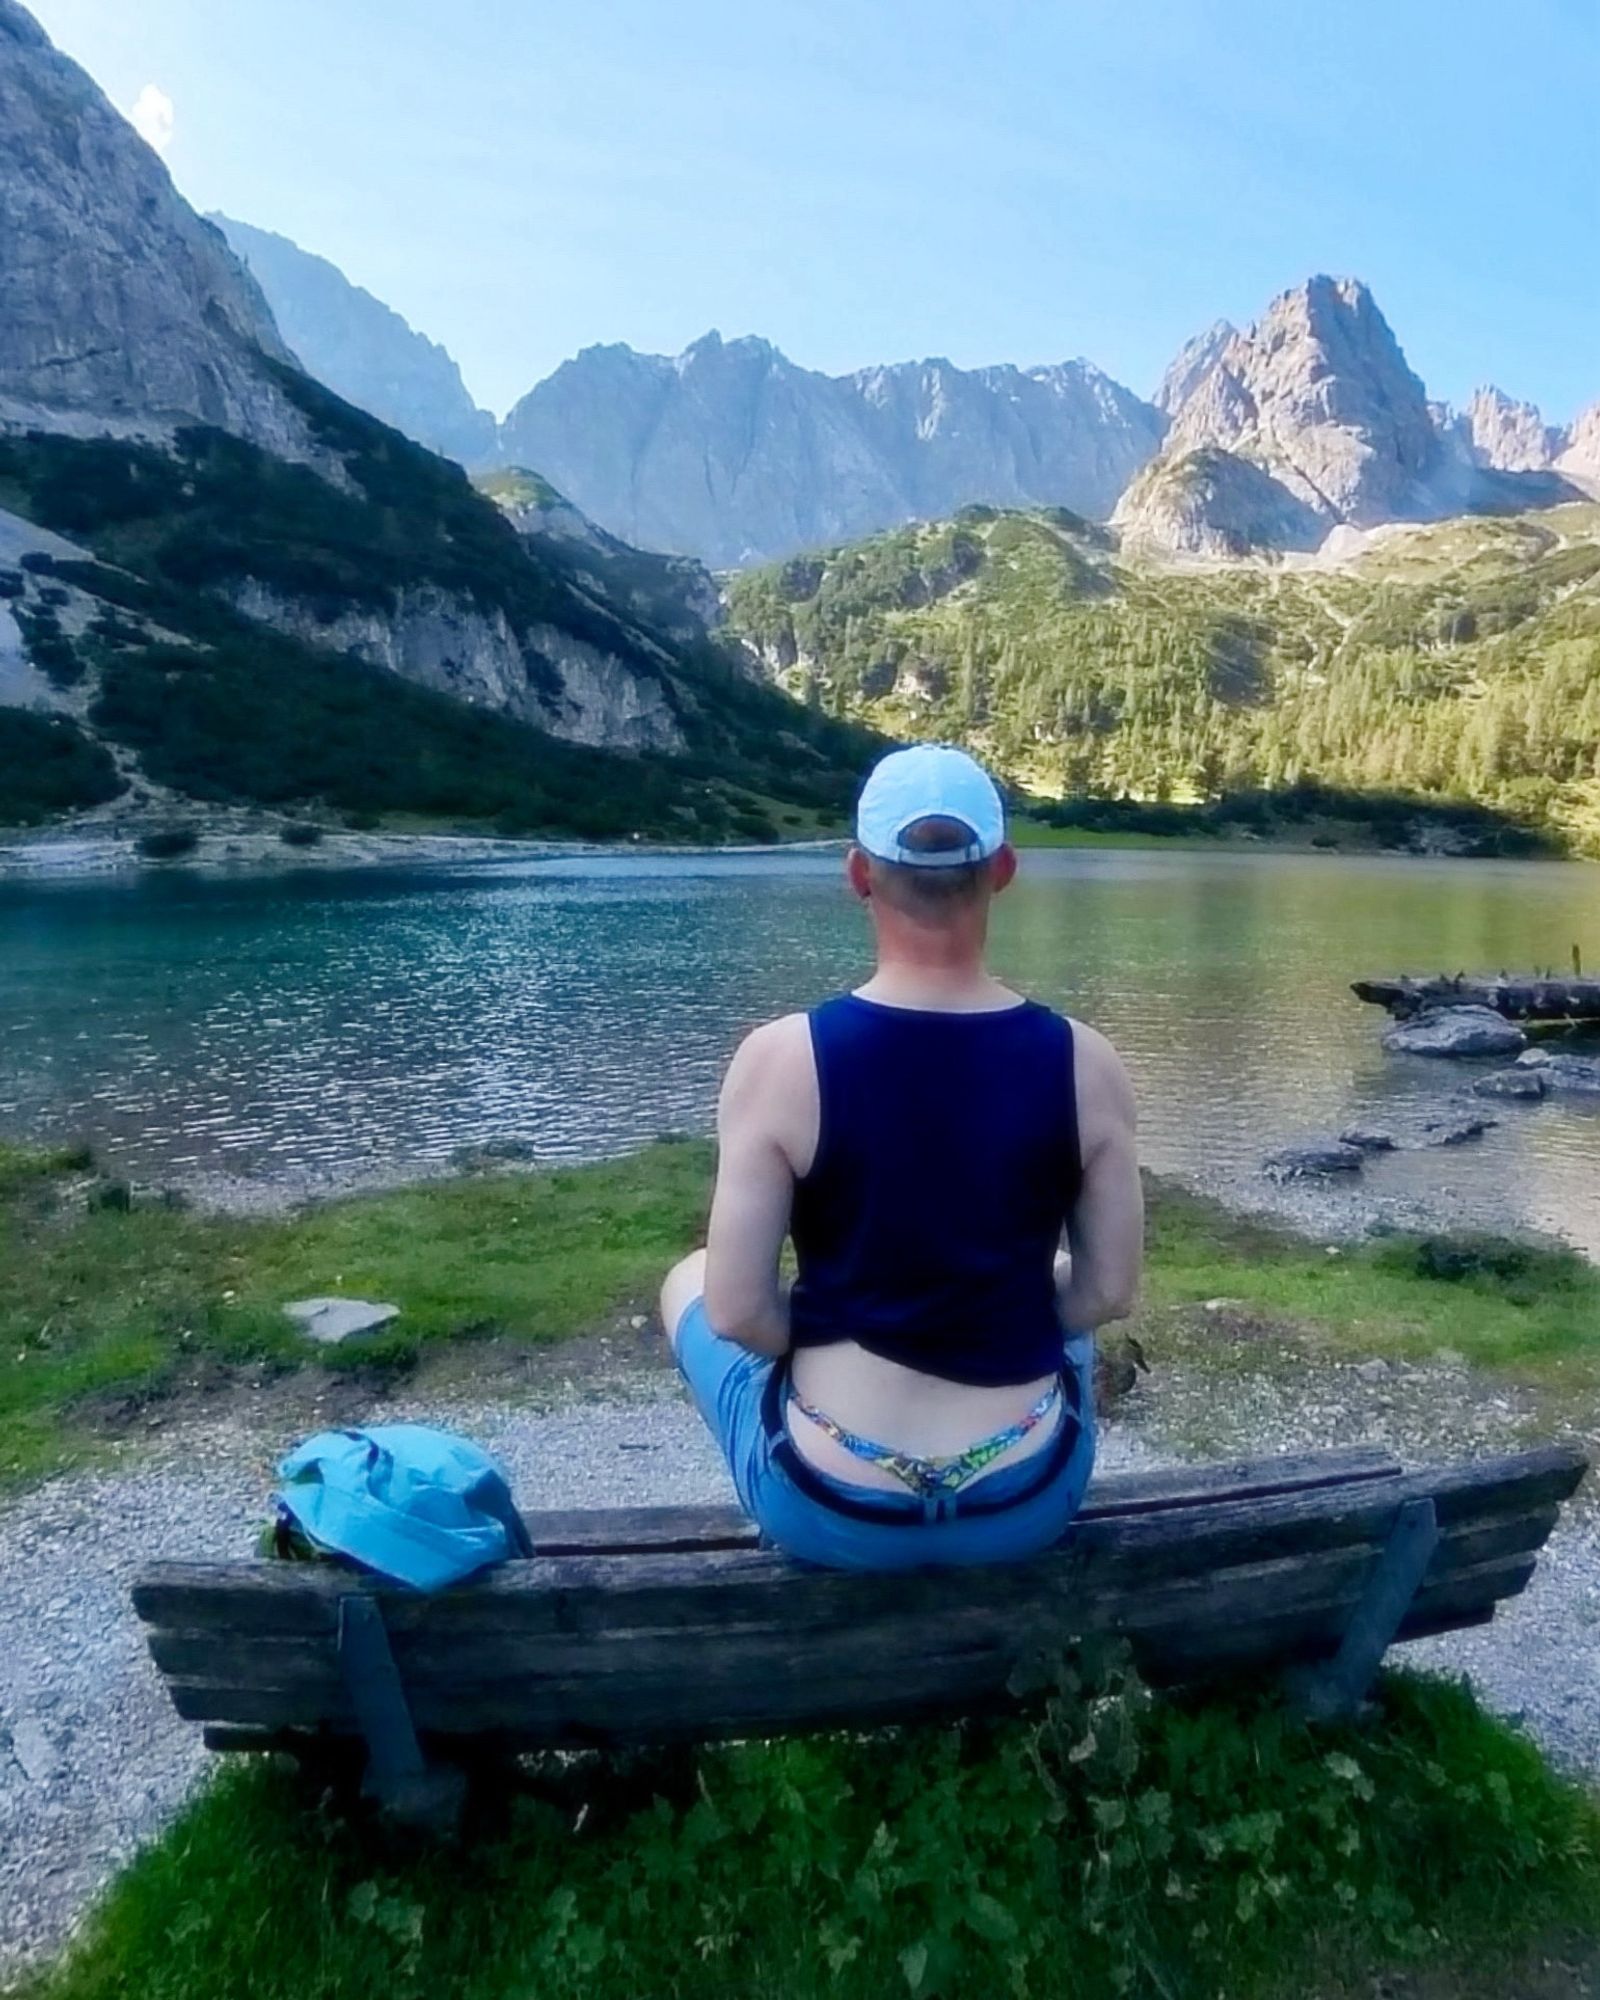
(234, 842)
(97, 853)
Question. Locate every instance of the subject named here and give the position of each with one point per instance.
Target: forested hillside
(158, 652)
(1460, 660)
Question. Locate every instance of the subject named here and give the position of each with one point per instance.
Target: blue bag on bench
(417, 1505)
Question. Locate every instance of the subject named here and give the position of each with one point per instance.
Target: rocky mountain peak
(1579, 457)
(1508, 435)
(1318, 392)
(1318, 396)
(121, 310)
(1191, 364)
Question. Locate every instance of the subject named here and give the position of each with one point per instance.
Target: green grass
(1105, 1844)
(114, 1306)
(1534, 1312)
(107, 1304)
(1109, 1845)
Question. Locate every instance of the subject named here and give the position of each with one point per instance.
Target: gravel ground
(92, 1759)
(93, 1762)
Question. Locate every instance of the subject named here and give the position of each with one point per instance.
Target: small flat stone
(1370, 1138)
(1514, 1082)
(332, 1320)
(1455, 1131)
(1313, 1161)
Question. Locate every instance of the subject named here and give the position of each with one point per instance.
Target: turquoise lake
(318, 1030)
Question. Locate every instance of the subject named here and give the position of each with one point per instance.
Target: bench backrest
(660, 1624)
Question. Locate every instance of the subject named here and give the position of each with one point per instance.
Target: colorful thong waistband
(928, 1477)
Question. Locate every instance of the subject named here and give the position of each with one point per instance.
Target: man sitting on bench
(923, 1394)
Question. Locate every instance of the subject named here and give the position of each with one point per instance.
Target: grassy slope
(235, 711)
(1456, 661)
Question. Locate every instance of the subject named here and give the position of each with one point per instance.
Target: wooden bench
(667, 1625)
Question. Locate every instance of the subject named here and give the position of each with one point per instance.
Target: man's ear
(858, 873)
(1003, 868)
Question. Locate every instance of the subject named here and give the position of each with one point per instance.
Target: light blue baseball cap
(929, 781)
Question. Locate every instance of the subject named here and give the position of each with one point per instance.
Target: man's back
(927, 1142)
(771, 1123)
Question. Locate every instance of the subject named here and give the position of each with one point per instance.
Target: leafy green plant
(1110, 1844)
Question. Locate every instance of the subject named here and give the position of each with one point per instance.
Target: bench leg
(399, 1777)
(1335, 1688)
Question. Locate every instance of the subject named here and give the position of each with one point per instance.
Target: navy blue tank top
(947, 1162)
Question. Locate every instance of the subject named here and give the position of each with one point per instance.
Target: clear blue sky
(872, 180)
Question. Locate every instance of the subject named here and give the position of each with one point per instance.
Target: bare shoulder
(1105, 1091)
(770, 1056)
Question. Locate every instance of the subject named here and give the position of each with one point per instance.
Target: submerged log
(1518, 999)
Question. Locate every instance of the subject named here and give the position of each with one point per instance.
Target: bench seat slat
(673, 1627)
(628, 1677)
(578, 1593)
(639, 1530)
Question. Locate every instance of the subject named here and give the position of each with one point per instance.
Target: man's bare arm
(1105, 1231)
(754, 1194)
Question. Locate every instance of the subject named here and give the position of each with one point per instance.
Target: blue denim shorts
(1002, 1517)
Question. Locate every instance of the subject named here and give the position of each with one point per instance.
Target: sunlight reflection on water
(336, 1025)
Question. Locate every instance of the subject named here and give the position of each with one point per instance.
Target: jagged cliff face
(1318, 394)
(445, 642)
(1579, 458)
(733, 454)
(1507, 435)
(1192, 363)
(1311, 420)
(120, 310)
(124, 315)
(362, 349)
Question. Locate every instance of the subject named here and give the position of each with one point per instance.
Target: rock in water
(330, 1321)
(1455, 1131)
(1369, 1138)
(1320, 1158)
(1514, 1082)
(1558, 1071)
(1455, 1031)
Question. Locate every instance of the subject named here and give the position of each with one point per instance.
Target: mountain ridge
(363, 349)
(731, 453)
(277, 596)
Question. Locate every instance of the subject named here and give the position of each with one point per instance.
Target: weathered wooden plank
(637, 1687)
(1222, 1482)
(582, 1594)
(638, 1530)
(424, 1654)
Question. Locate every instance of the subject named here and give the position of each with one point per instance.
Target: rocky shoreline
(240, 841)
